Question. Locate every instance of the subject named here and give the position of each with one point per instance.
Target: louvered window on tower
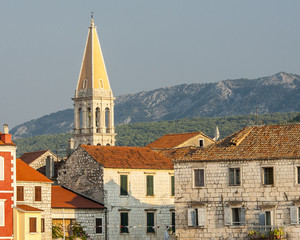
(196, 217)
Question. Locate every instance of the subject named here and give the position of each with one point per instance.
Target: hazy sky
(146, 45)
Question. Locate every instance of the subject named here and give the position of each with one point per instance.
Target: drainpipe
(106, 233)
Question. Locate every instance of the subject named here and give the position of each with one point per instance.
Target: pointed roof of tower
(93, 73)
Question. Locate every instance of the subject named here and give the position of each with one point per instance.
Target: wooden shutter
(201, 216)
(1, 168)
(32, 225)
(191, 217)
(98, 225)
(150, 188)
(2, 217)
(38, 193)
(227, 216)
(294, 215)
(262, 219)
(124, 185)
(42, 225)
(172, 186)
(199, 177)
(20, 193)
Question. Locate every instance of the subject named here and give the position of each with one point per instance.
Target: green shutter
(172, 186)
(150, 188)
(150, 222)
(123, 185)
(124, 222)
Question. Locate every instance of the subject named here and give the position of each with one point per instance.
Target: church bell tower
(93, 101)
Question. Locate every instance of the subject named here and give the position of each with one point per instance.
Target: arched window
(100, 82)
(98, 144)
(97, 117)
(89, 116)
(84, 84)
(107, 120)
(108, 144)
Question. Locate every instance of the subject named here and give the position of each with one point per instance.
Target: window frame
(201, 142)
(265, 180)
(200, 178)
(2, 212)
(99, 227)
(263, 219)
(196, 217)
(229, 216)
(124, 228)
(149, 192)
(42, 225)
(125, 193)
(34, 227)
(20, 194)
(37, 193)
(2, 166)
(234, 171)
(150, 229)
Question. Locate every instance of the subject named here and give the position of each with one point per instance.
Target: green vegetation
(141, 134)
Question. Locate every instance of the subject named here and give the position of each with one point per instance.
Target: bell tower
(93, 101)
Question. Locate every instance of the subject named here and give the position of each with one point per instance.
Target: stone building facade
(247, 181)
(34, 190)
(135, 184)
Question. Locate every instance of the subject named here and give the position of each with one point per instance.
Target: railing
(266, 233)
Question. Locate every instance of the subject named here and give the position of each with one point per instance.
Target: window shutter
(124, 184)
(238, 173)
(42, 225)
(2, 219)
(262, 219)
(150, 190)
(191, 217)
(201, 216)
(150, 222)
(202, 177)
(294, 215)
(231, 177)
(98, 225)
(38, 193)
(227, 216)
(20, 193)
(1, 168)
(32, 225)
(243, 216)
(172, 186)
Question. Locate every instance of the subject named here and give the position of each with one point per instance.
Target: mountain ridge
(277, 93)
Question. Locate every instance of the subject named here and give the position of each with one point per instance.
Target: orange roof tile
(176, 153)
(173, 140)
(29, 157)
(25, 173)
(253, 143)
(128, 157)
(29, 208)
(64, 198)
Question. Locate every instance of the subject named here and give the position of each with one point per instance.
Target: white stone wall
(137, 202)
(252, 195)
(45, 204)
(86, 217)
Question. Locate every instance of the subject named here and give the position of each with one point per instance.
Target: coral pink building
(7, 183)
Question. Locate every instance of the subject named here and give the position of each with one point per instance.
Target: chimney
(6, 137)
(70, 148)
(49, 167)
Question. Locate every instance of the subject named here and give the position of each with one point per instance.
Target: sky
(146, 45)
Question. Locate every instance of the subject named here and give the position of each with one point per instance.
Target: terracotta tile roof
(64, 198)
(173, 140)
(27, 208)
(128, 157)
(256, 142)
(29, 157)
(25, 173)
(177, 153)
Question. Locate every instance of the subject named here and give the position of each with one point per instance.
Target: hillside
(140, 134)
(277, 93)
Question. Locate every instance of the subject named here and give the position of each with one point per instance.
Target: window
(20, 193)
(84, 84)
(2, 211)
(201, 143)
(150, 185)
(123, 185)
(173, 221)
(268, 176)
(32, 225)
(266, 220)
(234, 177)
(124, 222)
(199, 177)
(1, 168)
(100, 82)
(150, 222)
(37, 193)
(196, 217)
(42, 225)
(98, 225)
(298, 175)
(172, 186)
(234, 216)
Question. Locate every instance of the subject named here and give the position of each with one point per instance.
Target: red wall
(7, 185)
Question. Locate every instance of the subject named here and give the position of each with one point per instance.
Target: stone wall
(41, 161)
(45, 204)
(137, 203)
(252, 194)
(195, 141)
(86, 217)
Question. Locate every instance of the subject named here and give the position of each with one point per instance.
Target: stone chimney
(5, 136)
(49, 167)
(71, 146)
